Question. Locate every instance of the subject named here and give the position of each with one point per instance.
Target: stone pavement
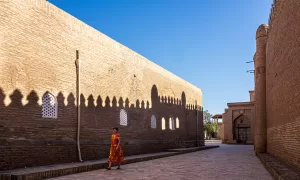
(56, 170)
(229, 162)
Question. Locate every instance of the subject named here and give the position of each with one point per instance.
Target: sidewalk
(213, 141)
(278, 169)
(43, 172)
(229, 162)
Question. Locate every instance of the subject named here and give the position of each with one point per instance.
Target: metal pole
(78, 103)
(197, 127)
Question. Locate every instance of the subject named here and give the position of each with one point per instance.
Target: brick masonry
(282, 82)
(37, 55)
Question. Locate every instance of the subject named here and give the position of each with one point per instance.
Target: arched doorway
(242, 129)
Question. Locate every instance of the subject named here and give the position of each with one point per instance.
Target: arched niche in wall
(154, 96)
(177, 122)
(163, 124)
(183, 99)
(171, 123)
(49, 106)
(153, 122)
(241, 128)
(123, 117)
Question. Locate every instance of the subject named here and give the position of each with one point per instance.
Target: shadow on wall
(40, 135)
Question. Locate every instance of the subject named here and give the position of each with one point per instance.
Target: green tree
(210, 128)
(207, 117)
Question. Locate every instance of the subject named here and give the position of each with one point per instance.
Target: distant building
(238, 122)
(217, 118)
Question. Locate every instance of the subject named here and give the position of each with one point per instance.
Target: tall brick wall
(37, 55)
(282, 82)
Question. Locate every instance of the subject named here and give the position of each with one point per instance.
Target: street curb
(52, 171)
(278, 169)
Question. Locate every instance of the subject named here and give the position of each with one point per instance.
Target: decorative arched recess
(153, 122)
(241, 127)
(163, 124)
(177, 122)
(172, 123)
(49, 106)
(183, 99)
(123, 118)
(155, 100)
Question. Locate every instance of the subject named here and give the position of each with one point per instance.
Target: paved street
(229, 162)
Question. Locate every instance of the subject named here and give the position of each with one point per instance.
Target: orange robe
(115, 155)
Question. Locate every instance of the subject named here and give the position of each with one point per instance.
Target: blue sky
(205, 42)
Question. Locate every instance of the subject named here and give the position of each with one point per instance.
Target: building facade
(64, 85)
(238, 122)
(217, 119)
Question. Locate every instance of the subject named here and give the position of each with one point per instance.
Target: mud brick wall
(282, 82)
(37, 56)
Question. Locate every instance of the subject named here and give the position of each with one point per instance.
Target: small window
(172, 123)
(153, 122)
(177, 122)
(49, 106)
(123, 117)
(163, 124)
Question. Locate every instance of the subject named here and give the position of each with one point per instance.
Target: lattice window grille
(49, 106)
(172, 124)
(163, 124)
(123, 117)
(177, 122)
(153, 122)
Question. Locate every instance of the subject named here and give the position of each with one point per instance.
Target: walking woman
(116, 152)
